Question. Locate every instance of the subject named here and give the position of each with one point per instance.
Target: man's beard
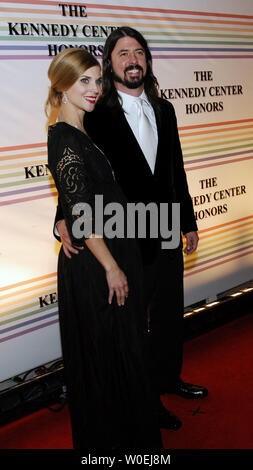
(132, 84)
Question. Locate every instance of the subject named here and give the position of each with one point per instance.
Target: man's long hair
(110, 96)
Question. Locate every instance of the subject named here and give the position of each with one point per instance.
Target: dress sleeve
(66, 161)
(58, 216)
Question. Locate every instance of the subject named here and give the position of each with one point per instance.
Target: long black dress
(102, 343)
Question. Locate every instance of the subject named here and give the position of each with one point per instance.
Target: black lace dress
(102, 344)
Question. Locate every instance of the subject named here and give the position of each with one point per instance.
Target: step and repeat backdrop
(203, 59)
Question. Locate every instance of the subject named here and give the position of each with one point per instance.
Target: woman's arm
(67, 165)
(116, 279)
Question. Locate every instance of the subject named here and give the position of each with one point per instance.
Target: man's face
(129, 65)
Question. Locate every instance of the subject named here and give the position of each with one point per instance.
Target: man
(149, 169)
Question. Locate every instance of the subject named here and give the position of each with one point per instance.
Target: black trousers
(164, 297)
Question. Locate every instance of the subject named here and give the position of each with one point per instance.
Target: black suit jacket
(109, 129)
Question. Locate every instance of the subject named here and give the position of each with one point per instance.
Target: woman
(100, 291)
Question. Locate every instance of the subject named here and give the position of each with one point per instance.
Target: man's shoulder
(166, 105)
(102, 112)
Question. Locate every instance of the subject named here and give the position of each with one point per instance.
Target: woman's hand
(116, 279)
(117, 283)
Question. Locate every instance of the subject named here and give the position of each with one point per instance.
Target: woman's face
(84, 93)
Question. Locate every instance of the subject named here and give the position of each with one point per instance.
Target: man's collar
(128, 100)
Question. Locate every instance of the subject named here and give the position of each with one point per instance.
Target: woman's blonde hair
(64, 70)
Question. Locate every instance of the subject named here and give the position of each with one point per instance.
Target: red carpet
(221, 360)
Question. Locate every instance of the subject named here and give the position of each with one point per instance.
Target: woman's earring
(64, 98)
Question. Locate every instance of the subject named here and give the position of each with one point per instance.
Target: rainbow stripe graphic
(177, 34)
(221, 244)
(25, 307)
(18, 164)
(215, 144)
(211, 145)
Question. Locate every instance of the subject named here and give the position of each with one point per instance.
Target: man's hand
(68, 248)
(192, 240)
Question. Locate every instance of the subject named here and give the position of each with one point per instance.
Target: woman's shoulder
(63, 134)
(61, 140)
(60, 130)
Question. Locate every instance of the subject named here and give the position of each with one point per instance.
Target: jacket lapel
(164, 160)
(159, 144)
(136, 156)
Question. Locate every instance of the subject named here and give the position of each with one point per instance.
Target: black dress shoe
(187, 390)
(167, 420)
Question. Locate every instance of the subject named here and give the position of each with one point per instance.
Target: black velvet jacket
(110, 131)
